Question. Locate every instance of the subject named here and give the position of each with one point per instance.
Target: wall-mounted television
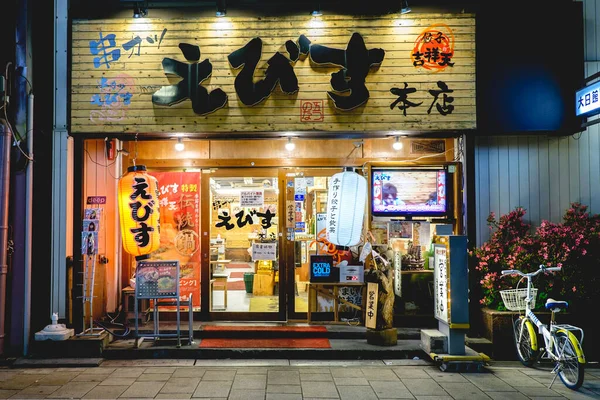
(410, 192)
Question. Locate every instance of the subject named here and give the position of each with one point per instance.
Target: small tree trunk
(385, 297)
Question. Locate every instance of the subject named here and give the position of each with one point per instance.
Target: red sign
(312, 111)
(179, 199)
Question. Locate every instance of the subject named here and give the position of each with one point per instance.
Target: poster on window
(179, 198)
(252, 198)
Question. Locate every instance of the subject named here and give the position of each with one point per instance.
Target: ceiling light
(139, 11)
(290, 146)
(397, 144)
(221, 8)
(179, 146)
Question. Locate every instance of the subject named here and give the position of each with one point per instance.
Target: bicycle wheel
(526, 343)
(570, 370)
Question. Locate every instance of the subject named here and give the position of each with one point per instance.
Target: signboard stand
(451, 307)
(156, 280)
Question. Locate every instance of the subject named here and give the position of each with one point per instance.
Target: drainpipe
(28, 227)
(5, 140)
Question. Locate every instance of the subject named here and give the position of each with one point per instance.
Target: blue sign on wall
(322, 269)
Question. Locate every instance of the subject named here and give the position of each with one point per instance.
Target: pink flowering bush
(573, 245)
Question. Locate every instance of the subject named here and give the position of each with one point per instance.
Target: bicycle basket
(514, 299)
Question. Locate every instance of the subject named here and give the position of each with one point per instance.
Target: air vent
(427, 146)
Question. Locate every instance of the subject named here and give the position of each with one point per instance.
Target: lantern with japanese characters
(139, 212)
(346, 200)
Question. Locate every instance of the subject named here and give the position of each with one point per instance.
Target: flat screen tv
(408, 192)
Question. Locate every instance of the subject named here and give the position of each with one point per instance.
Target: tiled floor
(287, 379)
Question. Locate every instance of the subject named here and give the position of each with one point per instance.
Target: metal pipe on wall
(28, 227)
(5, 143)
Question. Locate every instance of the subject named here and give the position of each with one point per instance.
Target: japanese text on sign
(371, 312)
(252, 198)
(264, 251)
(440, 283)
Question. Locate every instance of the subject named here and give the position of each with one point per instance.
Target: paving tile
(219, 375)
(581, 394)
(212, 389)
(336, 363)
(143, 389)
(241, 363)
(99, 370)
(317, 377)
(36, 392)
(440, 376)
(240, 394)
(537, 391)
(283, 396)
(391, 390)
(146, 377)
(314, 370)
(351, 382)
(283, 378)
(507, 395)
(127, 372)
(106, 392)
(379, 374)
(357, 393)
(189, 372)
(252, 371)
(488, 382)
(435, 398)
(410, 372)
(114, 381)
(424, 387)
(284, 389)
(5, 375)
(180, 385)
(37, 371)
(319, 389)
(73, 390)
(85, 377)
(516, 378)
(347, 373)
(591, 383)
(5, 393)
(20, 381)
(160, 370)
(462, 390)
(57, 379)
(251, 382)
(173, 396)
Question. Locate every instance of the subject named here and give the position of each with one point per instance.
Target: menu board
(157, 279)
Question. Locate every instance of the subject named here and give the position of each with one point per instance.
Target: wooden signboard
(409, 72)
(371, 313)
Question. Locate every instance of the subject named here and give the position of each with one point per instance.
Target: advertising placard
(252, 198)
(264, 251)
(371, 313)
(441, 275)
(157, 279)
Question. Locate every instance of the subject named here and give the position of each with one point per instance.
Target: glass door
(242, 267)
(305, 212)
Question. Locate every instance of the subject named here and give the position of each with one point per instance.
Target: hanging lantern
(346, 202)
(139, 212)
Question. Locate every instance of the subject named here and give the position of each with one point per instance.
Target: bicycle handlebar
(531, 274)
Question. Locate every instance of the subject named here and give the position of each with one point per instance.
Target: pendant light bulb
(397, 144)
(290, 146)
(179, 146)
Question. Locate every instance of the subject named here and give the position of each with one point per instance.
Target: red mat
(236, 274)
(237, 285)
(238, 266)
(317, 343)
(232, 328)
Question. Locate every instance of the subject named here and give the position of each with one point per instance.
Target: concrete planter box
(497, 328)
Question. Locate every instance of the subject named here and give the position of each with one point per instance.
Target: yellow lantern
(139, 212)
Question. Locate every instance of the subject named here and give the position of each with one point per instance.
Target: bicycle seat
(552, 304)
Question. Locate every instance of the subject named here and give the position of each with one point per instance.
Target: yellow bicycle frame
(532, 334)
(575, 343)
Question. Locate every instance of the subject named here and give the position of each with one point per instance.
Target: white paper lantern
(346, 202)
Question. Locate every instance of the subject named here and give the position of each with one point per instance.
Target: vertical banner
(371, 313)
(179, 199)
(440, 283)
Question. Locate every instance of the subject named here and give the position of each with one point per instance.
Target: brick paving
(286, 380)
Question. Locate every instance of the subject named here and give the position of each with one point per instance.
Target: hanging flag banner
(179, 199)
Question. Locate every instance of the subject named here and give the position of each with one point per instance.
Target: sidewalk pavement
(287, 379)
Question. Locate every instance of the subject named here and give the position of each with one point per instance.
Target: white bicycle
(560, 343)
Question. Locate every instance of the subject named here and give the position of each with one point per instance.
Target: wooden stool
(220, 279)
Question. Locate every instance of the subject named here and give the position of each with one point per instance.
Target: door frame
(205, 226)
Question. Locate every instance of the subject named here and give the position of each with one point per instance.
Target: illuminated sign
(587, 101)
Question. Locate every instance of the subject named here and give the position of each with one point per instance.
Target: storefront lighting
(139, 212)
(221, 8)
(397, 144)
(290, 146)
(405, 8)
(139, 11)
(316, 12)
(179, 146)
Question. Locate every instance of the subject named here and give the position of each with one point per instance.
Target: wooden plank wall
(143, 74)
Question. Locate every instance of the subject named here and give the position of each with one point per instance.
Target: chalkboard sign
(157, 279)
(322, 269)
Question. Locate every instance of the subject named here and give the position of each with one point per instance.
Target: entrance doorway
(242, 267)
